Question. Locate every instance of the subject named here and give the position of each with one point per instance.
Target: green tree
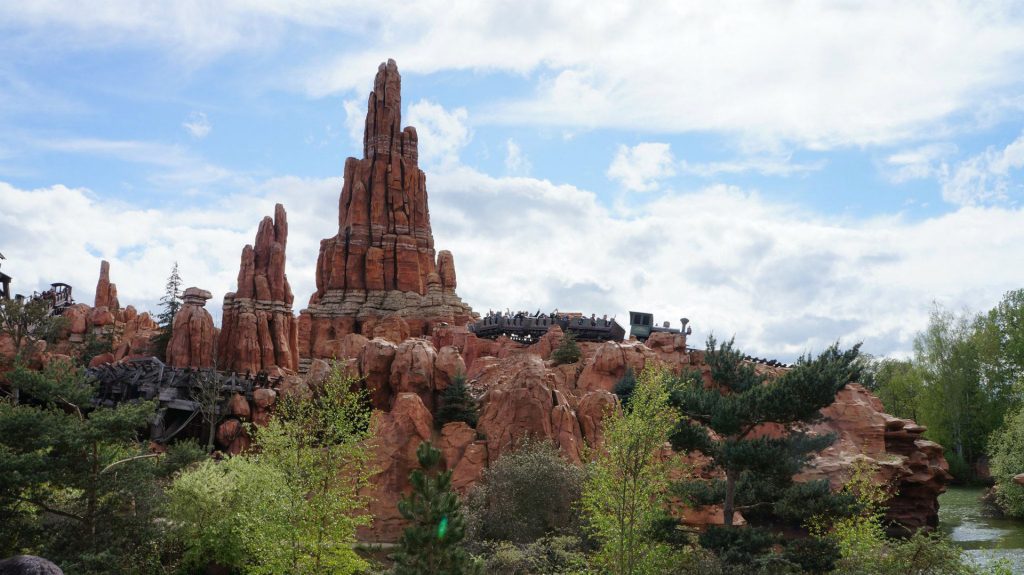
(293, 504)
(898, 384)
(568, 351)
(170, 303)
(758, 469)
(432, 545)
(959, 405)
(457, 404)
(623, 496)
(26, 321)
(1006, 453)
(76, 483)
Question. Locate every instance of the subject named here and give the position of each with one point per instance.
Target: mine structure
(5, 283)
(178, 391)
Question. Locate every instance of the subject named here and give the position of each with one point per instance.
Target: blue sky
(789, 172)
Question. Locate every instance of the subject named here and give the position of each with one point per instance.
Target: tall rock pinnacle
(382, 262)
(259, 330)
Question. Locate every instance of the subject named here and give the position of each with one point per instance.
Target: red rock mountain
(382, 261)
(259, 332)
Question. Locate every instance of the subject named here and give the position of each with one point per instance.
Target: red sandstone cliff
(258, 331)
(382, 261)
(192, 336)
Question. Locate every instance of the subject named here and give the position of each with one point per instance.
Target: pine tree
(759, 469)
(568, 351)
(432, 544)
(457, 404)
(171, 302)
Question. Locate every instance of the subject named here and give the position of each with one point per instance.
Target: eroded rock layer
(382, 261)
(259, 331)
(193, 336)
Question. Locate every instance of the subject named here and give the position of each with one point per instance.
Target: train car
(528, 328)
(641, 325)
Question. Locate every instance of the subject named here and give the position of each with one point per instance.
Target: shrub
(1006, 450)
(568, 351)
(525, 495)
(735, 547)
(555, 555)
(624, 387)
(457, 404)
(812, 555)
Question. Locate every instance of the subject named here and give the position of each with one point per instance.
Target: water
(985, 539)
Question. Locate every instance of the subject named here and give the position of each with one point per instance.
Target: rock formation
(382, 261)
(193, 336)
(258, 331)
(106, 292)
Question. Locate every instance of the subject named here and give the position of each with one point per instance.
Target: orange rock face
(106, 292)
(259, 331)
(382, 261)
(193, 337)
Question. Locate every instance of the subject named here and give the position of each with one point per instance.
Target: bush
(525, 495)
(624, 387)
(457, 404)
(556, 555)
(568, 351)
(1006, 452)
(812, 555)
(737, 546)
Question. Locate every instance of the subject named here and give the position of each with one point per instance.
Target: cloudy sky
(789, 172)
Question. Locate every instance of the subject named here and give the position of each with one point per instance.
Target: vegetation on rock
(457, 404)
(433, 544)
(720, 421)
(568, 351)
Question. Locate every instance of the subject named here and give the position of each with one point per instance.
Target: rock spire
(382, 261)
(258, 329)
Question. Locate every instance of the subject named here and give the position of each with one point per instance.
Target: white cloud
(198, 125)
(641, 167)
(442, 134)
(767, 166)
(355, 121)
(782, 279)
(984, 178)
(820, 74)
(918, 163)
(516, 162)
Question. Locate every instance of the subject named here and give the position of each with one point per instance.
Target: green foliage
(27, 321)
(899, 385)
(526, 494)
(554, 555)
(293, 504)
(758, 470)
(624, 491)
(1006, 453)
(568, 351)
(170, 303)
(95, 344)
(737, 546)
(433, 543)
(960, 407)
(76, 484)
(625, 386)
(812, 555)
(456, 404)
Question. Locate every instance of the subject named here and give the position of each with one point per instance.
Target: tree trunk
(730, 496)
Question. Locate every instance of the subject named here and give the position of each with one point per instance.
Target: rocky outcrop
(914, 466)
(259, 331)
(106, 292)
(382, 261)
(397, 435)
(193, 337)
